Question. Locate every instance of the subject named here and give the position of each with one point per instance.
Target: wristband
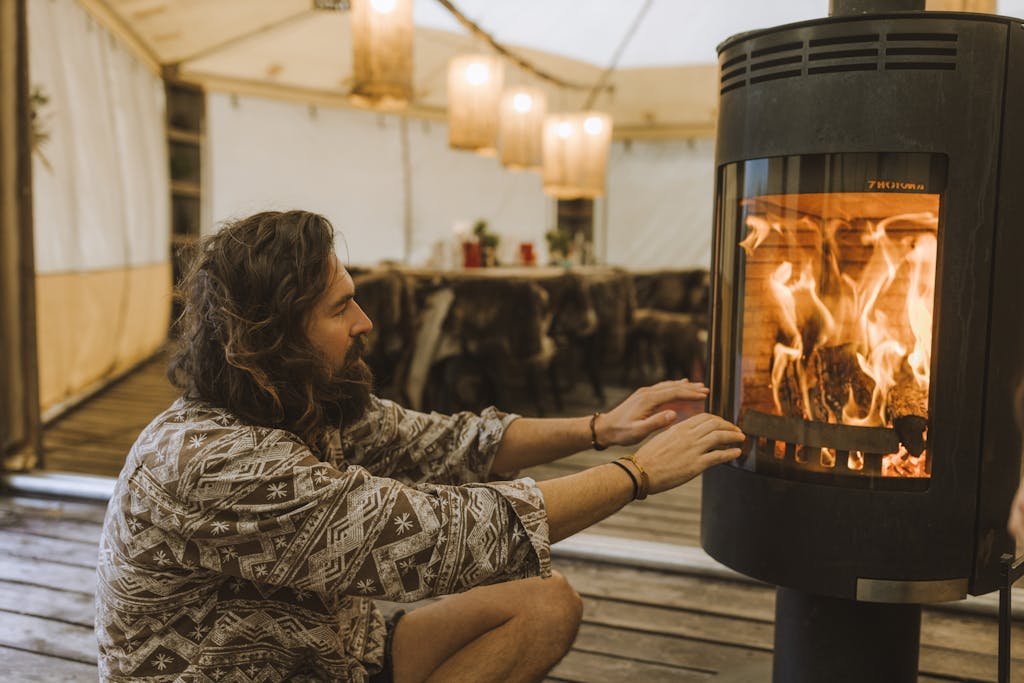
(593, 433)
(632, 477)
(645, 481)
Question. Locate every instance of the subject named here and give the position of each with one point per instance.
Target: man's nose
(364, 325)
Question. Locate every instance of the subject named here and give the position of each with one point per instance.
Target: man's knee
(557, 611)
(566, 597)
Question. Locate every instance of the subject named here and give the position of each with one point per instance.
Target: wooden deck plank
(31, 667)
(722, 598)
(692, 625)
(48, 637)
(53, 509)
(48, 603)
(693, 655)
(30, 546)
(68, 529)
(583, 667)
(31, 572)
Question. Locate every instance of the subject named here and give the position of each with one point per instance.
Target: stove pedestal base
(830, 639)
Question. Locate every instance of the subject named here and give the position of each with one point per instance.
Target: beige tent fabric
(101, 194)
(95, 324)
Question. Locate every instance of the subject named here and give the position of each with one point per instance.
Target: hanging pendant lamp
(474, 91)
(522, 126)
(382, 32)
(576, 154)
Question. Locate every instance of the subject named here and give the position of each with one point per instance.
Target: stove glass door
(828, 267)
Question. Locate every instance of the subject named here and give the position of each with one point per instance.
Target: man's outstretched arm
(535, 441)
(671, 458)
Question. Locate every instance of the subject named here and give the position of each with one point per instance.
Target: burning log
(787, 385)
(907, 410)
(840, 376)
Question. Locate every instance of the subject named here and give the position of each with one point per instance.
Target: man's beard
(353, 385)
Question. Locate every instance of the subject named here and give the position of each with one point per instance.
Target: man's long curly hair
(241, 336)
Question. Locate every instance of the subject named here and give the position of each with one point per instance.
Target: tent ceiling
(665, 84)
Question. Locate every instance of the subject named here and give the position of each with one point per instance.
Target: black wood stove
(867, 323)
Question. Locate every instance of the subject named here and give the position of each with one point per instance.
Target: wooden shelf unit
(186, 126)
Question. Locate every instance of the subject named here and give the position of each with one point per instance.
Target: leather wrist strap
(593, 433)
(645, 481)
(632, 477)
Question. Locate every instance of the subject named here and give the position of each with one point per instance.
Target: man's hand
(649, 409)
(1016, 525)
(679, 454)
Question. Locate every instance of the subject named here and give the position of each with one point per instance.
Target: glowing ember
(841, 303)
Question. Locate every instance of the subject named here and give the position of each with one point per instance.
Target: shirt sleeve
(392, 441)
(271, 512)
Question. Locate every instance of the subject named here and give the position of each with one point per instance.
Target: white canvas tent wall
(101, 196)
(349, 166)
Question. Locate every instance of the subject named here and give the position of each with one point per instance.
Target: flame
(919, 306)
(865, 284)
(759, 231)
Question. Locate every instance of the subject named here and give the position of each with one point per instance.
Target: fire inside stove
(835, 348)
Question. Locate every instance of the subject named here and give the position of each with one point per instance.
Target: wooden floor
(639, 626)
(95, 437)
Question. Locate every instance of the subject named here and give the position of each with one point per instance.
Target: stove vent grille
(836, 54)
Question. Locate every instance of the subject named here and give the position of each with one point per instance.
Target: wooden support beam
(309, 96)
(109, 19)
(328, 98)
(20, 432)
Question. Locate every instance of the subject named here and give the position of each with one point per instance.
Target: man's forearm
(576, 501)
(535, 441)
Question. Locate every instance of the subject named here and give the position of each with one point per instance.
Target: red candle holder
(471, 257)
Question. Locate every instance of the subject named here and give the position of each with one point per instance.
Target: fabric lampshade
(382, 33)
(522, 124)
(474, 92)
(576, 154)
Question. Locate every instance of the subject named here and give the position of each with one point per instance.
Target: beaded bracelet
(593, 433)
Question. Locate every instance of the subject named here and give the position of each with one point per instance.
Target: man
(256, 519)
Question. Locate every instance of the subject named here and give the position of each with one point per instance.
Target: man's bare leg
(515, 631)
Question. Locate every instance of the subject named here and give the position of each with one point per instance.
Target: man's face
(336, 323)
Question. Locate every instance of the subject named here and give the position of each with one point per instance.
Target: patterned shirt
(230, 552)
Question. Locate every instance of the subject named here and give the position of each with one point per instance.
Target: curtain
(659, 204)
